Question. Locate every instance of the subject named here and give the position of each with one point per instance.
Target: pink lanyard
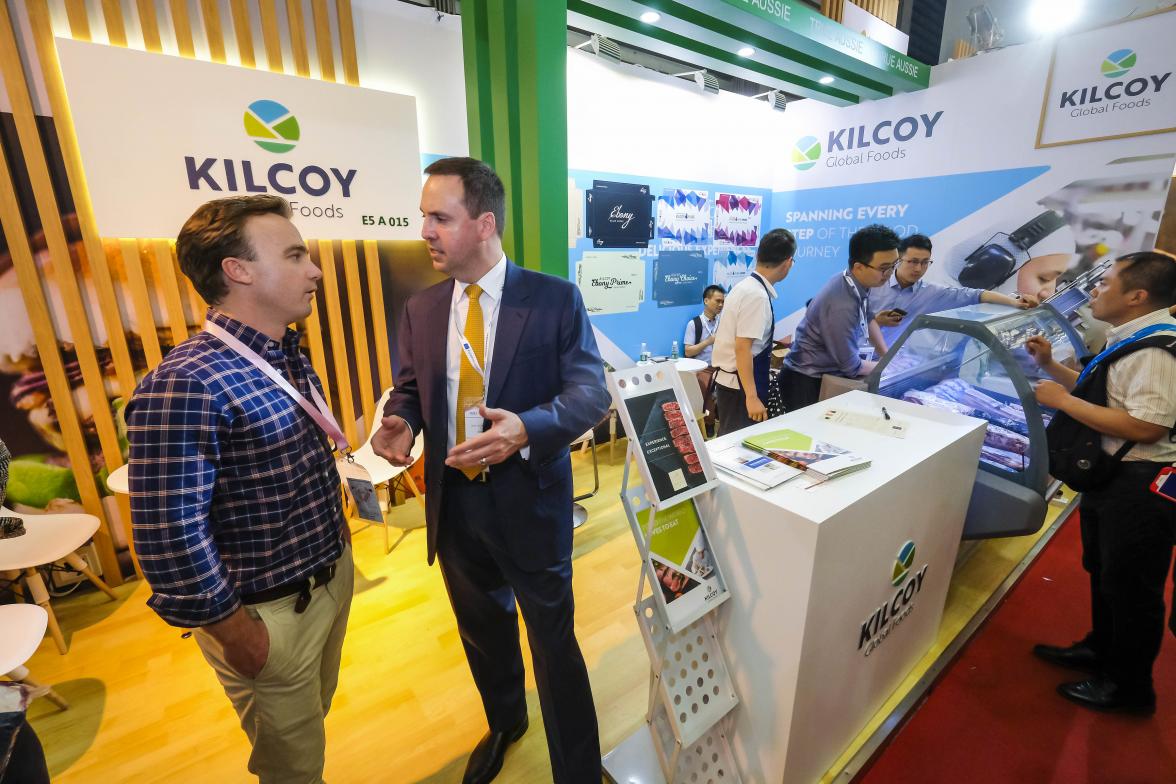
(319, 412)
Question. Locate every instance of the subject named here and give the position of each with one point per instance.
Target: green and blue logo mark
(806, 153)
(1118, 63)
(271, 126)
(902, 563)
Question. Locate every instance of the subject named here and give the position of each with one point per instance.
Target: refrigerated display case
(972, 361)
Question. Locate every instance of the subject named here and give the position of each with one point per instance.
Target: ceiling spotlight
(1050, 16)
(826, 80)
(745, 51)
(602, 47)
(705, 81)
(651, 17)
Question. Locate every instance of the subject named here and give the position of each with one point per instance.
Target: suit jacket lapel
(512, 318)
(431, 366)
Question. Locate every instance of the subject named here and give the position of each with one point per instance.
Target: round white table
(118, 480)
(689, 365)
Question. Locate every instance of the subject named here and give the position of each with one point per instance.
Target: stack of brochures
(772, 458)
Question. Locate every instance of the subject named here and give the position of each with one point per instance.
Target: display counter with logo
(838, 588)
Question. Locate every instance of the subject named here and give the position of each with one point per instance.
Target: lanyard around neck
(319, 412)
(466, 348)
(1102, 355)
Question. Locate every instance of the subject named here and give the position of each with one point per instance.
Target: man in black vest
(1127, 531)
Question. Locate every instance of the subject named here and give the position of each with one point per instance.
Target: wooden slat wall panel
(962, 49)
(141, 277)
(375, 287)
(67, 284)
(886, 10)
(834, 9)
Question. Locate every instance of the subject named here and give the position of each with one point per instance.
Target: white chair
(48, 539)
(23, 627)
(580, 513)
(694, 398)
(382, 472)
(119, 480)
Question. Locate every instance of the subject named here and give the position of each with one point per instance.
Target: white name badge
(474, 423)
(361, 491)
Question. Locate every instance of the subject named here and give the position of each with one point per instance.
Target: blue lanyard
(1143, 333)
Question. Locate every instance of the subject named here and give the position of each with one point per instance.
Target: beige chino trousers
(283, 708)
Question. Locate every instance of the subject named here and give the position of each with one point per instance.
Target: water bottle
(674, 351)
(643, 358)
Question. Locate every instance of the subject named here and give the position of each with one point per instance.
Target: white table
(810, 570)
(689, 365)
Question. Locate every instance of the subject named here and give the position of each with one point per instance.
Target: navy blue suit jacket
(546, 368)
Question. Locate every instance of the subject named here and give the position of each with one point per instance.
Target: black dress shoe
(486, 759)
(1078, 656)
(1103, 695)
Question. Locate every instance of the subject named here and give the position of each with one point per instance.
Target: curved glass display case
(973, 361)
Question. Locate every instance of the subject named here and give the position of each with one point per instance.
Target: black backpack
(1076, 456)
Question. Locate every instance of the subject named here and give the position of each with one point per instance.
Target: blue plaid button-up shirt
(233, 486)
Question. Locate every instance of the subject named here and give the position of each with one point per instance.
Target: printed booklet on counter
(818, 459)
(754, 467)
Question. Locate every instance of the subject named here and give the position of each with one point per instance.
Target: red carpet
(994, 716)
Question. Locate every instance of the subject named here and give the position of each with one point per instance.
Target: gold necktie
(470, 384)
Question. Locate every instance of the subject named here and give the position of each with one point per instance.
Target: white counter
(809, 569)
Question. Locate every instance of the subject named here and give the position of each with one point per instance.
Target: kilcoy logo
(876, 628)
(1121, 94)
(859, 144)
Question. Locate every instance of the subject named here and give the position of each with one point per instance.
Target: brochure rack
(690, 691)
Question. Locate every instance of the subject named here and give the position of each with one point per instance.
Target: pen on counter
(885, 413)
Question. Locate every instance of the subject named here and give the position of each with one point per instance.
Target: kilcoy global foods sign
(347, 159)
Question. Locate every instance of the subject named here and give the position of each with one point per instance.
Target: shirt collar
(895, 284)
(492, 282)
(771, 289)
(254, 339)
(1161, 316)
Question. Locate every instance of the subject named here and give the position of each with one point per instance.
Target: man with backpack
(699, 340)
(1124, 404)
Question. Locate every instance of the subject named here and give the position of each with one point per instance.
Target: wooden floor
(146, 707)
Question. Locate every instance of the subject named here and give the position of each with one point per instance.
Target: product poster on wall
(737, 219)
(680, 565)
(679, 278)
(732, 270)
(611, 282)
(684, 216)
(620, 215)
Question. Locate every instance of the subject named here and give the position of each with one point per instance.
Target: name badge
(358, 484)
(474, 423)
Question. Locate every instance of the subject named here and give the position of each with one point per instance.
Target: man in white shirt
(698, 342)
(1127, 530)
(743, 345)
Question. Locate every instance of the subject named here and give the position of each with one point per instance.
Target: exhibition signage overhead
(1110, 83)
(800, 19)
(187, 131)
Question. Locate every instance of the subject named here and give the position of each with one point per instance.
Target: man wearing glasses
(836, 320)
(907, 295)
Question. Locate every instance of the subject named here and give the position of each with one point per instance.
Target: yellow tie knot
(473, 291)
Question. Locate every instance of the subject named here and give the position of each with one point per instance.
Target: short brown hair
(483, 188)
(215, 232)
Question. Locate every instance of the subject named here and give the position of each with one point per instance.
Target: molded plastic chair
(119, 480)
(580, 513)
(49, 539)
(23, 627)
(382, 472)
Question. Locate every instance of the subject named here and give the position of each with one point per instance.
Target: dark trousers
(27, 763)
(732, 407)
(1127, 534)
(484, 584)
(798, 390)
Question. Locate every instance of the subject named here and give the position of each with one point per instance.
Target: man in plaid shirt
(235, 504)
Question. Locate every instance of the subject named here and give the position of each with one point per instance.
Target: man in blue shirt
(910, 295)
(235, 504)
(828, 336)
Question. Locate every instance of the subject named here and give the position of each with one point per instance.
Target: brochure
(680, 565)
(752, 466)
(818, 459)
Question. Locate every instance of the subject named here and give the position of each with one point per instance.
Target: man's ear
(236, 270)
(487, 226)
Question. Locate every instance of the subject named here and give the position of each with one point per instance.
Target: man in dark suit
(501, 345)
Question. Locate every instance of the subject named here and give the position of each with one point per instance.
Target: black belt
(456, 475)
(301, 587)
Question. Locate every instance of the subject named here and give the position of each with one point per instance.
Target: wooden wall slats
(834, 9)
(270, 35)
(149, 25)
(318, 354)
(359, 341)
(371, 254)
(66, 279)
(79, 20)
(347, 42)
(243, 30)
(295, 19)
(339, 347)
(183, 28)
(141, 301)
(166, 281)
(322, 39)
(210, 13)
(116, 29)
